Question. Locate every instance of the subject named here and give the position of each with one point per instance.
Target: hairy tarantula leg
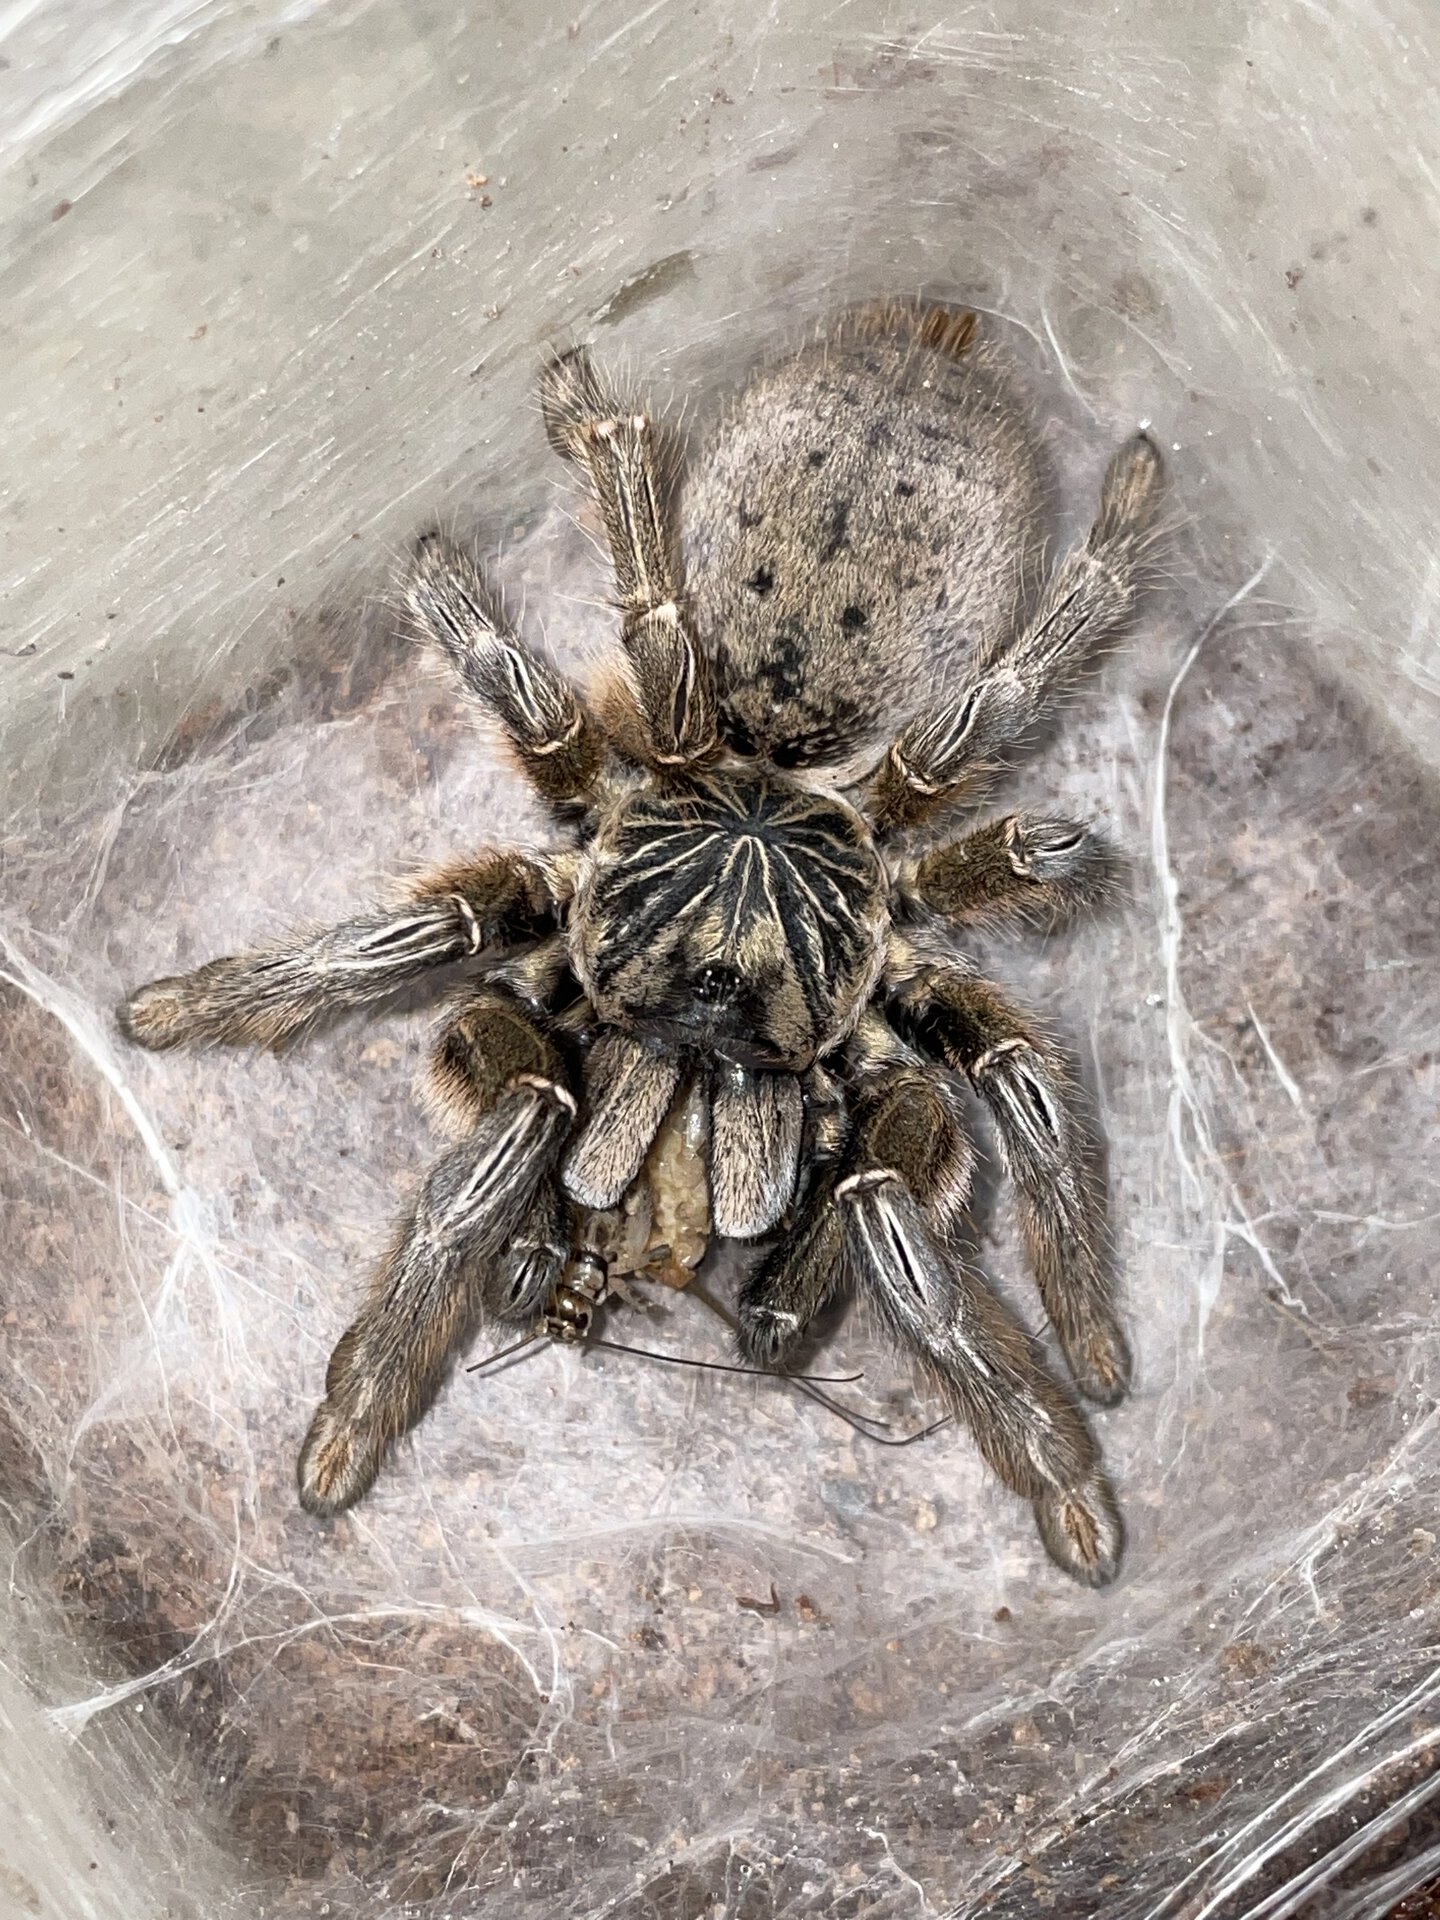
(953, 752)
(1028, 869)
(985, 1365)
(492, 1044)
(779, 1299)
(754, 1149)
(560, 747)
(268, 997)
(629, 1087)
(488, 1042)
(424, 1301)
(523, 1277)
(616, 446)
(909, 1121)
(1048, 1154)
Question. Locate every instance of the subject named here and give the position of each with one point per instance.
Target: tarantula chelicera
(742, 930)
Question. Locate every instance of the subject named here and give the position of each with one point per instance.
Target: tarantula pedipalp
(727, 919)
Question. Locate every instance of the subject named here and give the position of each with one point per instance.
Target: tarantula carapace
(742, 921)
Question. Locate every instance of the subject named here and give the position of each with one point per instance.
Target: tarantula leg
(909, 1121)
(984, 1364)
(754, 1149)
(490, 1041)
(490, 1046)
(781, 1296)
(560, 747)
(617, 448)
(268, 997)
(1028, 869)
(482, 1233)
(521, 1280)
(910, 1125)
(493, 1044)
(889, 1220)
(779, 1299)
(949, 330)
(954, 751)
(1048, 1154)
(629, 1087)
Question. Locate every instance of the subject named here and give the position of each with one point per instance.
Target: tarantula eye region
(735, 916)
(717, 986)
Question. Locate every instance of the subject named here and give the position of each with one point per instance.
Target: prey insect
(585, 1288)
(754, 920)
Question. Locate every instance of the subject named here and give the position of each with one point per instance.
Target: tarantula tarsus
(737, 910)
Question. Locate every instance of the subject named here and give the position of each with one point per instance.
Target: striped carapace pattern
(738, 912)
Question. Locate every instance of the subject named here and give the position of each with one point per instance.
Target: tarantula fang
(734, 928)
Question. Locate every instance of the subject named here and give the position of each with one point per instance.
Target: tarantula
(741, 919)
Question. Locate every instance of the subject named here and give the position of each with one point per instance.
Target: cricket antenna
(493, 1360)
(864, 1424)
(723, 1366)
